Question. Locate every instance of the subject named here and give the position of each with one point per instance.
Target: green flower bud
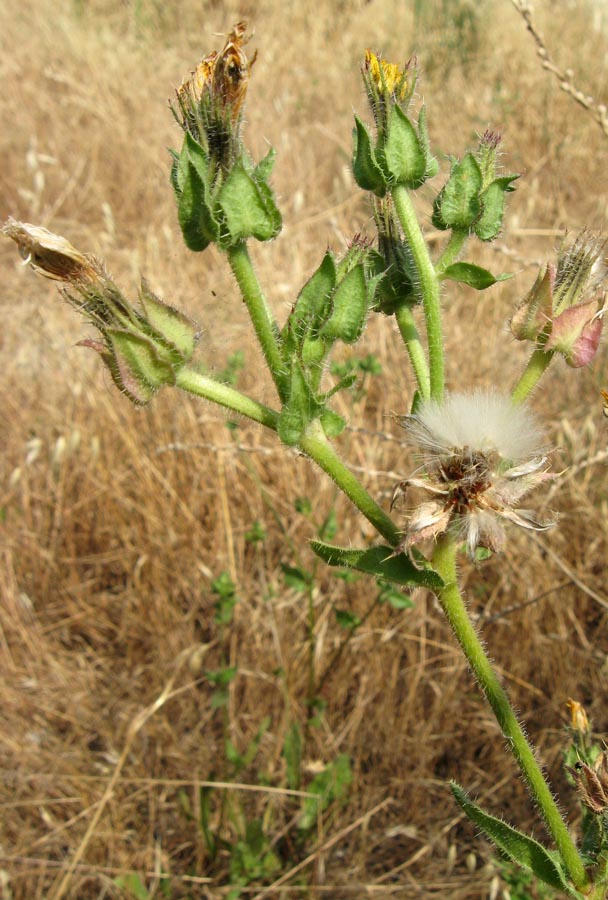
(401, 154)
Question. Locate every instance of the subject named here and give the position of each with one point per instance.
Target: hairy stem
(537, 365)
(452, 249)
(195, 383)
(427, 287)
(316, 446)
(266, 328)
(411, 339)
(444, 561)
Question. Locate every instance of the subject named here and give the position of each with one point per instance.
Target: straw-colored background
(115, 521)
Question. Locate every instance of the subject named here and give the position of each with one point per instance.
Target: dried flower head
(210, 101)
(481, 454)
(50, 254)
(592, 783)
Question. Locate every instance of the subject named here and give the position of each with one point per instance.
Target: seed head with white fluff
(480, 455)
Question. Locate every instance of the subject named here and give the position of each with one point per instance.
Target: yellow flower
(387, 77)
(578, 716)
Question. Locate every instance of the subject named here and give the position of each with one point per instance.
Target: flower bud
(401, 153)
(578, 717)
(592, 783)
(143, 347)
(534, 312)
(563, 311)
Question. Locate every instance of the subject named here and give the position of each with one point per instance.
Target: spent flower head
(480, 455)
(564, 309)
(143, 347)
(209, 102)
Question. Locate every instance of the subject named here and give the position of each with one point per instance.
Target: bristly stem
(315, 445)
(427, 287)
(411, 339)
(265, 326)
(452, 249)
(537, 366)
(209, 389)
(444, 561)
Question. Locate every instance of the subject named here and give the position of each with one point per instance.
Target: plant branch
(205, 387)
(537, 366)
(265, 326)
(411, 339)
(427, 287)
(316, 446)
(444, 561)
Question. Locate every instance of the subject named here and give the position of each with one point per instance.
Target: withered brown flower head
(50, 254)
(592, 783)
(223, 75)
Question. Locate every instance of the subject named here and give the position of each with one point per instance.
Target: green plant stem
(444, 561)
(315, 445)
(411, 339)
(452, 249)
(427, 287)
(195, 383)
(266, 328)
(537, 365)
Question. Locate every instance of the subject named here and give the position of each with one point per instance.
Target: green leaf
(474, 276)
(347, 619)
(300, 408)
(330, 784)
(139, 368)
(264, 168)
(313, 304)
(432, 166)
(296, 578)
(332, 423)
(396, 599)
(248, 207)
(524, 850)
(367, 172)
(133, 884)
(175, 327)
(329, 527)
(292, 752)
(379, 561)
(458, 204)
(221, 677)
(404, 156)
(489, 223)
(349, 308)
(190, 209)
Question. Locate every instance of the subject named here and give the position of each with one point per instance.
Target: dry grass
(112, 533)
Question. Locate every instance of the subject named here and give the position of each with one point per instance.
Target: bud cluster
(563, 310)
(143, 347)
